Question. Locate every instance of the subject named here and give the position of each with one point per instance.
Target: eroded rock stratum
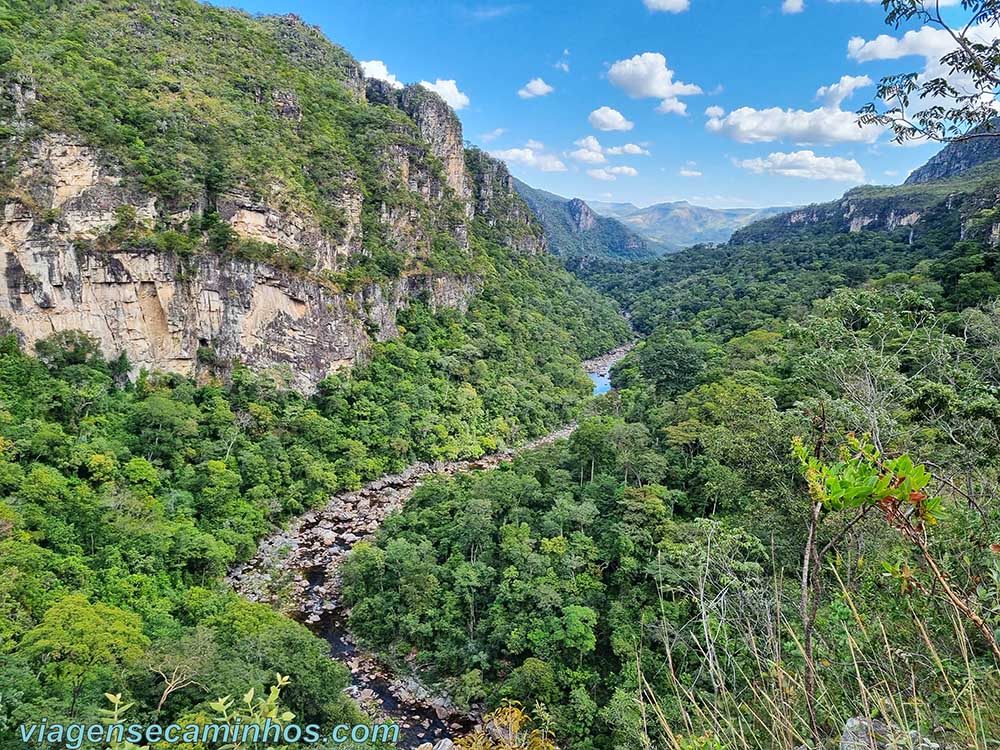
(66, 266)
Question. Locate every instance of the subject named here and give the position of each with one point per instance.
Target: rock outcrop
(582, 217)
(861, 733)
(496, 203)
(959, 157)
(188, 314)
(964, 214)
(955, 195)
(574, 230)
(437, 124)
(266, 265)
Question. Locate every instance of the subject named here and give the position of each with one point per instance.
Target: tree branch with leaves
(959, 105)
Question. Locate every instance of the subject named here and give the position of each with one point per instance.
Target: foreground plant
(510, 727)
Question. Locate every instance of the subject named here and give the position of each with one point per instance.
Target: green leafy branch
(863, 479)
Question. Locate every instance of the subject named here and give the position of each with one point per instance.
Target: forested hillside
(214, 171)
(781, 521)
(574, 230)
(241, 279)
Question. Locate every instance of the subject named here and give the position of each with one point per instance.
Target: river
(296, 569)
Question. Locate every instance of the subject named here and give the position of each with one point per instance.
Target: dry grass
(942, 691)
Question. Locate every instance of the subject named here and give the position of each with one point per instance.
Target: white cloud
(669, 6)
(672, 107)
(806, 165)
(631, 149)
(492, 135)
(533, 156)
(535, 145)
(606, 118)
(610, 174)
(377, 69)
(589, 151)
(835, 94)
(828, 124)
(715, 111)
(448, 90)
(749, 125)
(926, 42)
(792, 6)
(647, 76)
(535, 87)
(689, 172)
(562, 65)
(931, 44)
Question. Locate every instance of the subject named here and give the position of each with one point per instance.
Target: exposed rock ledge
(161, 310)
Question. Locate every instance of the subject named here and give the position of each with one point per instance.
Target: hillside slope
(573, 229)
(958, 157)
(775, 267)
(229, 189)
(939, 211)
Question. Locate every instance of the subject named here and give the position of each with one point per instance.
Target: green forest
(125, 503)
(658, 552)
(781, 522)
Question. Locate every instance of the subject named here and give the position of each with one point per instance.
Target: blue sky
(773, 137)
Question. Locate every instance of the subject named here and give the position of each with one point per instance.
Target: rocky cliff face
(951, 216)
(66, 267)
(267, 204)
(437, 123)
(582, 217)
(573, 229)
(958, 157)
(954, 196)
(182, 314)
(497, 205)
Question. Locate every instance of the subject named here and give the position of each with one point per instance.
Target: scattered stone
(861, 733)
(299, 569)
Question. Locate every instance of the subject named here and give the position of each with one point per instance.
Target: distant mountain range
(673, 226)
(573, 230)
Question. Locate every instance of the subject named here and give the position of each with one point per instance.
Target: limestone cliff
(199, 259)
(962, 207)
(181, 314)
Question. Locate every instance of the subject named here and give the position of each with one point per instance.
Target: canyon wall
(69, 263)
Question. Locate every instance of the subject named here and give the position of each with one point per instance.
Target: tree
(513, 730)
(958, 105)
(76, 637)
(181, 663)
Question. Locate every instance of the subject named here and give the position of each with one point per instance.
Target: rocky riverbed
(296, 569)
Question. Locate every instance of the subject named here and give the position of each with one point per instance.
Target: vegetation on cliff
(123, 504)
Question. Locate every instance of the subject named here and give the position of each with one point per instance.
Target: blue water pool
(602, 383)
